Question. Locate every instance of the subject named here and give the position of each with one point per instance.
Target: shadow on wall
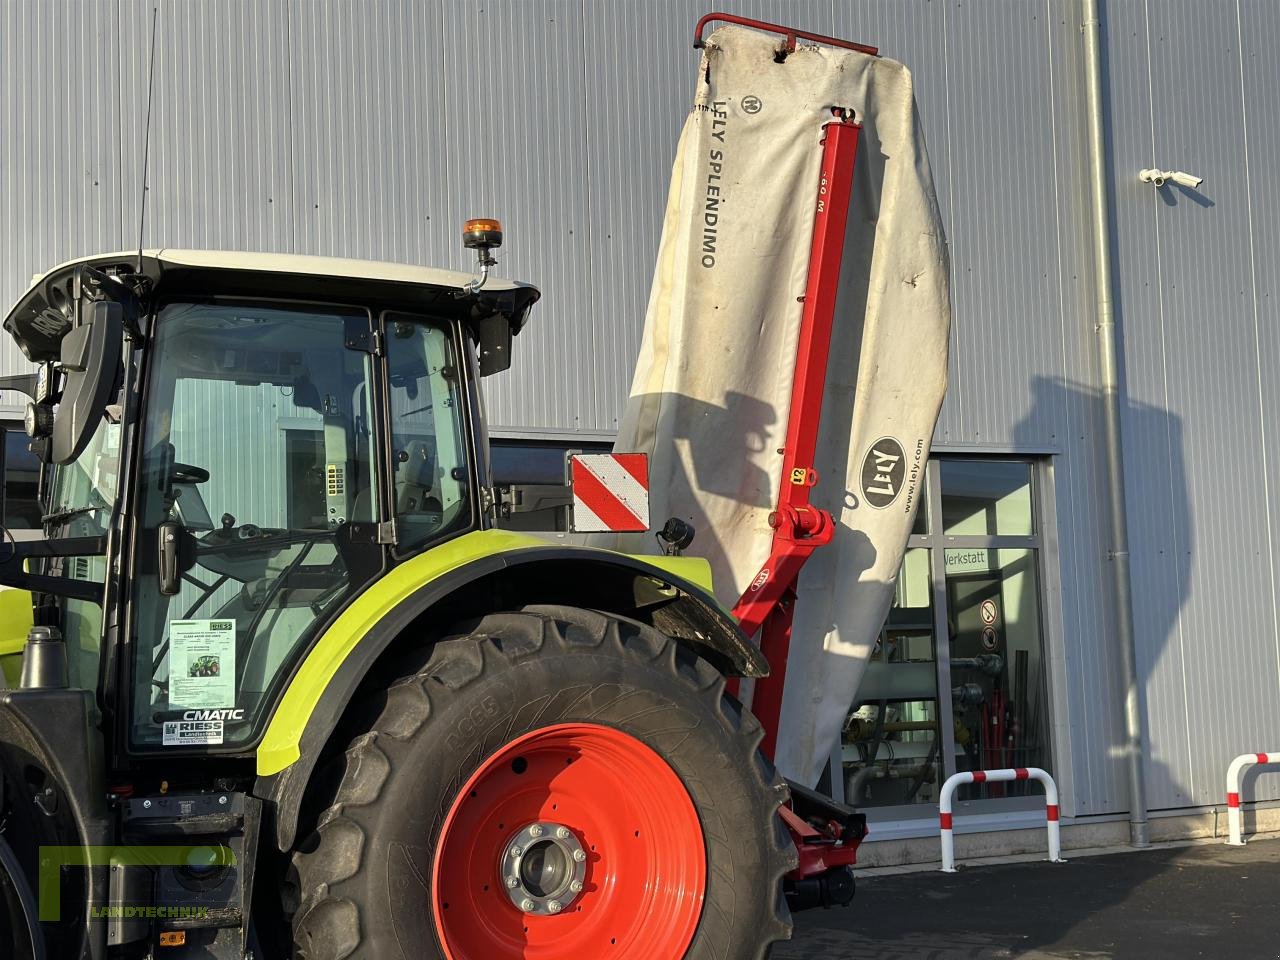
(1161, 553)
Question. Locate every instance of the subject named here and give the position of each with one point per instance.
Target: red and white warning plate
(610, 492)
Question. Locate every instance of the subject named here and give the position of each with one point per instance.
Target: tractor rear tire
(20, 936)
(669, 814)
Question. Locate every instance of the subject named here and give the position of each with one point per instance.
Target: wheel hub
(543, 868)
(572, 840)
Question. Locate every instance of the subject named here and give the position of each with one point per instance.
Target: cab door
(259, 507)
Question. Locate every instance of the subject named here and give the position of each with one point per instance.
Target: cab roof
(43, 314)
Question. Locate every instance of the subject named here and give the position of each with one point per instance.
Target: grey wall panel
(60, 179)
(369, 132)
(517, 140)
(1259, 28)
(1003, 239)
(220, 165)
(1257, 719)
(1072, 421)
(1203, 577)
(1211, 357)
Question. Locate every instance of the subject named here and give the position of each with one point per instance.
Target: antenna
(146, 138)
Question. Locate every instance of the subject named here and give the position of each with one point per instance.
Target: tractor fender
(323, 686)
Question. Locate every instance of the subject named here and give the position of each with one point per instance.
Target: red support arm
(800, 528)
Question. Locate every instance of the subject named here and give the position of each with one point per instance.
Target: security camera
(1161, 177)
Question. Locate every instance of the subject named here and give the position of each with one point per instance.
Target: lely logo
(883, 470)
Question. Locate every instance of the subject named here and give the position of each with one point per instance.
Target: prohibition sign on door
(989, 612)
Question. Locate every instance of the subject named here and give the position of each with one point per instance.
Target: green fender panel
(15, 622)
(280, 746)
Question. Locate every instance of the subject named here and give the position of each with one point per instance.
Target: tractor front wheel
(555, 783)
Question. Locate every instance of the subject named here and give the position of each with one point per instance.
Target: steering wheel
(187, 473)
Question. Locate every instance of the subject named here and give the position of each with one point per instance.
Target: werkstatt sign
(968, 561)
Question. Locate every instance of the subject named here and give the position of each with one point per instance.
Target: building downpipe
(1139, 835)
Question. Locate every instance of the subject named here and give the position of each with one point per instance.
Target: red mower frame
(825, 833)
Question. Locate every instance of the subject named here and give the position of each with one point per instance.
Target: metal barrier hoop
(998, 776)
(1235, 816)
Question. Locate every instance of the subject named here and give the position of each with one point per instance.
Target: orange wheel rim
(574, 840)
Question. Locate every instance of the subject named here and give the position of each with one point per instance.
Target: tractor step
(185, 874)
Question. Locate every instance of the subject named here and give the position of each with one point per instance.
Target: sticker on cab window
(192, 733)
(202, 665)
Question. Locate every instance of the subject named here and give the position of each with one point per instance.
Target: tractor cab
(232, 446)
(244, 441)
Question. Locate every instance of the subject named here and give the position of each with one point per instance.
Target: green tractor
(287, 688)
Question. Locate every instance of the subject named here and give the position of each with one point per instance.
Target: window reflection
(21, 506)
(891, 736)
(993, 614)
(994, 671)
(986, 497)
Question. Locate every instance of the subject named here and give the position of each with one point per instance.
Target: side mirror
(90, 364)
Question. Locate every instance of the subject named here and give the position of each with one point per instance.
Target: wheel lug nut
(563, 833)
(555, 906)
(535, 831)
(513, 882)
(517, 851)
(526, 905)
(576, 886)
(579, 855)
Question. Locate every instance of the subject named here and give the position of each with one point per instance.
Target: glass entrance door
(957, 679)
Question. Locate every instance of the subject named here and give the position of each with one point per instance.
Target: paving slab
(1167, 903)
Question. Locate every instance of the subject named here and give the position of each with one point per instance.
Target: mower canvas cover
(712, 387)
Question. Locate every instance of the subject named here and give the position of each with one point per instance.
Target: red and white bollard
(998, 776)
(1235, 819)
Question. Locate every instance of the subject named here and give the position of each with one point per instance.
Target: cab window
(428, 439)
(258, 456)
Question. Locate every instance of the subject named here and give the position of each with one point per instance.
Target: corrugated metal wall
(1198, 93)
(372, 129)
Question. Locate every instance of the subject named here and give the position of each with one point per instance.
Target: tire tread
(327, 924)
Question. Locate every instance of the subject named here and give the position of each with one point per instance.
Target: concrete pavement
(1174, 902)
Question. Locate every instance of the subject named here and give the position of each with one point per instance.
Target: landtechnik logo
(199, 860)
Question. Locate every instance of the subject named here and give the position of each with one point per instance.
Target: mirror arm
(58, 586)
(68, 547)
(24, 384)
(113, 288)
(13, 555)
